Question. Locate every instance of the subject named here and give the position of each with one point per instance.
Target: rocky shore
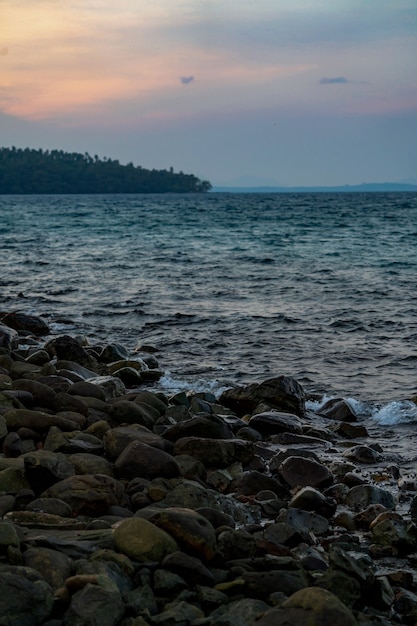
(120, 506)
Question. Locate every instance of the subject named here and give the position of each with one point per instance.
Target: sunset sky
(288, 92)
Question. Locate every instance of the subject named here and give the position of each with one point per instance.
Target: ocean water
(231, 288)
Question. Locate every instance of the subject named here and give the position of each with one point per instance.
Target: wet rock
(362, 454)
(219, 452)
(112, 386)
(88, 494)
(139, 459)
(350, 431)
(311, 606)
(117, 439)
(200, 426)
(178, 612)
(8, 537)
(43, 468)
(347, 588)
(274, 422)
(238, 613)
(37, 421)
(54, 566)
(43, 395)
(24, 599)
(360, 497)
(310, 499)
(189, 567)
(23, 322)
(124, 412)
(297, 471)
(338, 409)
(8, 337)
(283, 393)
(94, 604)
(397, 533)
(54, 506)
(252, 482)
(69, 349)
(193, 532)
(142, 541)
(85, 463)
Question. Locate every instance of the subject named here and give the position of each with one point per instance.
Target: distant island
(28, 171)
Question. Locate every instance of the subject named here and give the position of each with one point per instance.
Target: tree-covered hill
(25, 171)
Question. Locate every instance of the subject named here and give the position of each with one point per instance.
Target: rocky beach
(123, 506)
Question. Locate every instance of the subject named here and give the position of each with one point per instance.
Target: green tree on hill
(26, 171)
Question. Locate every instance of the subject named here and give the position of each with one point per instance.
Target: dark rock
(22, 322)
(216, 452)
(310, 499)
(200, 426)
(361, 496)
(189, 567)
(117, 439)
(8, 337)
(94, 604)
(24, 599)
(69, 349)
(338, 409)
(283, 393)
(362, 454)
(44, 468)
(54, 566)
(275, 422)
(139, 459)
(297, 471)
(252, 482)
(43, 395)
(88, 494)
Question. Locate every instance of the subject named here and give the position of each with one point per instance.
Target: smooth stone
(125, 412)
(347, 588)
(113, 352)
(310, 606)
(142, 541)
(261, 584)
(360, 497)
(243, 612)
(338, 409)
(65, 402)
(88, 494)
(54, 566)
(364, 518)
(178, 612)
(12, 445)
(192, 531)
(190, 467)
(86, 463)
(310, 499)
(211, 427)
(43, 395)
(88, 389)
(8, 337)
(283, 393)
(350, 431)
(189, 567)
(94, 604)
(83, 373)
(140, 459)
(69, 349)
(274, 422)
(43, 468)
(24, 601)
(400, 534)
(252, 482)
(306, 521)
(117, 439)
(362, 454)
(38, 357)
(8, 536)
(216, 452)
(54, 506)
(112, 386)
(37, 421)
(297, 471)
(215, 517)
(19, 321)
(12, 480)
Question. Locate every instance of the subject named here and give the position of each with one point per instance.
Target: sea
(231, 288)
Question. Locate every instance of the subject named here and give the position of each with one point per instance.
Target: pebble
(121, 506)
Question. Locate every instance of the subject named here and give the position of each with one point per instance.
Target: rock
(338, 409)
(260, 585)
(178, 612)
(8, 337)
(189, 567)
(200, 426)
(95, 605)
(310, 499)
(311, 606)
(54, 506)
(88, 389)
(69, 349)
(243, 612)
(54, 566)
(142, 541)
(8, 537)
(43, 468)
(297, 471)
(112, 386)
(139, 459)
(43, 395)
(350, 431)
(360, 497)
(88, 494)
(397, 533)
(252, 482)
(24, 599)
(219, 452)
(37, 421)
(85, 463)
(23, 322)
(275, 422)
(117, 439)
(283, 393)
(362, 454)
(347, 588)
(124, 412)
(193, 532)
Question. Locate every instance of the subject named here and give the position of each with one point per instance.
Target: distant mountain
(363, 187)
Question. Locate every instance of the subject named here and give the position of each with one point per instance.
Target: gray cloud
(333, 81)
(186, 80)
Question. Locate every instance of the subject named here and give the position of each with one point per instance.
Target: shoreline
(188, 508)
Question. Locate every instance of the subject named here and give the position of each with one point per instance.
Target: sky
(284, 92)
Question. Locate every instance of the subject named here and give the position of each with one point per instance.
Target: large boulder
(283, 393)
(141, 460)
(142, 541)
(23, 322)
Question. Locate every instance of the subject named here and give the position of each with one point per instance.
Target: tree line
(29, 171)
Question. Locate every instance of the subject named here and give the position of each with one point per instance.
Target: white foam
(174, 385)
(398, 412)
